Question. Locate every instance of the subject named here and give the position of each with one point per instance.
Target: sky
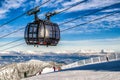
(101, 34)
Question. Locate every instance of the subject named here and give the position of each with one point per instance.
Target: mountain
(17, 53)
(101, 71)
(17, 71)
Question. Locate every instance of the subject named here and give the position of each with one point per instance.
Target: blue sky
(102, 34)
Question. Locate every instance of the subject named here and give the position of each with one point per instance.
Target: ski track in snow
(78, 75)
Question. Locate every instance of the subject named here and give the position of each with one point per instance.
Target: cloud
(91, 4)
(2, 13)
(95, 26)
(92, 44)
(50, 3)
(111, 10)
(86, 5)
(96, 44)
(8, 29)
(117, 40)
(7, 5)
(69, 3)
(110, 43)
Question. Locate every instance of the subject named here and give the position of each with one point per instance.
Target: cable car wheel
(42, 32)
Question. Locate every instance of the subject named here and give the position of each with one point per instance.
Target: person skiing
(107, 57)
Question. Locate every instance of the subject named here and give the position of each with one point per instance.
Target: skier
(107, 57)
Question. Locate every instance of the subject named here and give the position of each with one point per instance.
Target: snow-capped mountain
(66, 56)
(15, 53)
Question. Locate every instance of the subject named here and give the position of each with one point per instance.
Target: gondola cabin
(42, 32)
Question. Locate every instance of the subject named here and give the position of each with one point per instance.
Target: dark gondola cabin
(42, 32)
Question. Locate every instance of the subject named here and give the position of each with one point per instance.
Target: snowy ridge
(112, 57)
(101, 71)
(18, 71)
(33, 67)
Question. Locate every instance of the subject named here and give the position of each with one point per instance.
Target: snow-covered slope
(102, 71)
(20, 70)
(17, 71)
(78, 75)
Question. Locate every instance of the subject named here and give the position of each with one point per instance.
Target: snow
(102, 71)
(78, 75)
(47, 70)
(33, 67)
(14, 53)
(18, 71)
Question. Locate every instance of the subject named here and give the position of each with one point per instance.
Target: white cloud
(111, 10)
(95, 26)
(69, 3)
(112, 43)
(8, 29)
(96, 44)
(37, 1)
(53, 3)
(59, 1)
(12, 4)
(59, 4)
(7, 5)
(88, 4)
(49, 4)
(93, 4)
(116, 40)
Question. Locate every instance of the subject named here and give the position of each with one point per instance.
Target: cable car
(42, 32)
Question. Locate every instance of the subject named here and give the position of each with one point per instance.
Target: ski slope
(100, 71)
(18, 71)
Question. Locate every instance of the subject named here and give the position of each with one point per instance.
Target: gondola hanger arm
(34, 12)
(50, 14)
